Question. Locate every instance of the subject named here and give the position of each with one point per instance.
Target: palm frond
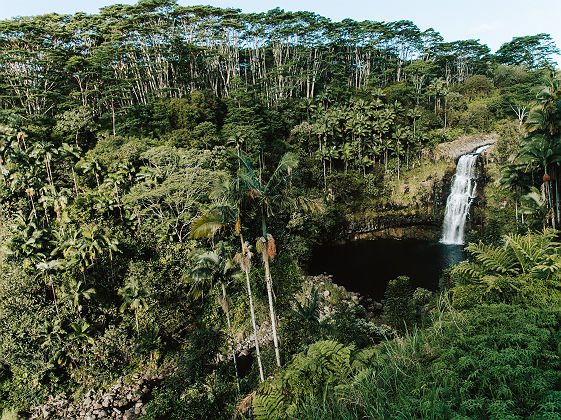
(283, 172)
(212, 221)
(312, 205)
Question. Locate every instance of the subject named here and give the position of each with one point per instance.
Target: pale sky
(492, 21)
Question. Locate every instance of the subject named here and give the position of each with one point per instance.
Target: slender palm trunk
(557, 199)
(136, 319)
(397, 164)
(324, 176)
(113, 118)
(516, 211)
(33, 206)
(252, 311)
(550, 202)
(75, 183)
(233, 349)
(407, 157)
(386, 161)
(270, 296)
(54, 294)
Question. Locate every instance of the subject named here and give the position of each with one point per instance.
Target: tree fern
(313, 374)
(495, 259)
(269, 400)
(519, 271)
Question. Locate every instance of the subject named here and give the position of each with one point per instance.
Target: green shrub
(349, 324)
(398, 303)
(524, 269)
(201, 387)
(496, 361)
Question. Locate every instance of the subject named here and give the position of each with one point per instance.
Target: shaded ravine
(366, 266)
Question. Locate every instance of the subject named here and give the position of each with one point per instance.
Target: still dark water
(367, 266)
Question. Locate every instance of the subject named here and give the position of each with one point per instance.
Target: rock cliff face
(418, 202)
(465, 144)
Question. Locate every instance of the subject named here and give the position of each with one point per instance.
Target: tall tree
(530, 51)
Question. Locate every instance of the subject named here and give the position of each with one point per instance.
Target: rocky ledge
(123, 400)
(462, 145)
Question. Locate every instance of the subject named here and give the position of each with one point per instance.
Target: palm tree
(346, 154)
(545, 152)
(93, 242)
(90, 164)
(533, 203)
(325, 127)
(43, 152)
(243, 258)
(82, 333)
(543, 143)
(382, 125)
(134, 298)
(48, 268)
(70, 154)
(513, 178)
(270, 196)
(75, 292)
(545, 115)
(58, 200)
(212, 271)
(332, 153)
(227, 213)
(399, 135)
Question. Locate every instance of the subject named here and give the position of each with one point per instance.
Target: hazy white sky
(492, 21)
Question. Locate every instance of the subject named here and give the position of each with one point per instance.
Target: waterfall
(464, 189)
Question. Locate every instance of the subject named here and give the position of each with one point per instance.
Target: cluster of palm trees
(362, 134)
(540, 152)
(232, 200)
(46, 241)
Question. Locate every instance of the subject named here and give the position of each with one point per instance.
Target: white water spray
(464, 189)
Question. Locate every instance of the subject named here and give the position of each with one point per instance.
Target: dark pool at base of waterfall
(367, 266)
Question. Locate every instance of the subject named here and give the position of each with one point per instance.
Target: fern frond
(493, 258)
(469, 269)
(268, 402)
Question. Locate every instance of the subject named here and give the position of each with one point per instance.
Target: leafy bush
(497, 361)
(398, 303)
(201, 387)
(524, 269)
(349, 324)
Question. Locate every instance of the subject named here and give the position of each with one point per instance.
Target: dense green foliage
(495, 361)
(166, 171)
(526, 269)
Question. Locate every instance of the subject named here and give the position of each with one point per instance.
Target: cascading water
(459, 201)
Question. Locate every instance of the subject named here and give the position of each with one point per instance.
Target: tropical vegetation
(166, 173)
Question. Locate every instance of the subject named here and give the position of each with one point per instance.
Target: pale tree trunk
(136, 319)
(252, 311)
(54, 294)
(407, 156)
(75, 183)
(270, 296)
(557, 198)
(386, 161)
(397, 164)
(113, 117)
(233, 349)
